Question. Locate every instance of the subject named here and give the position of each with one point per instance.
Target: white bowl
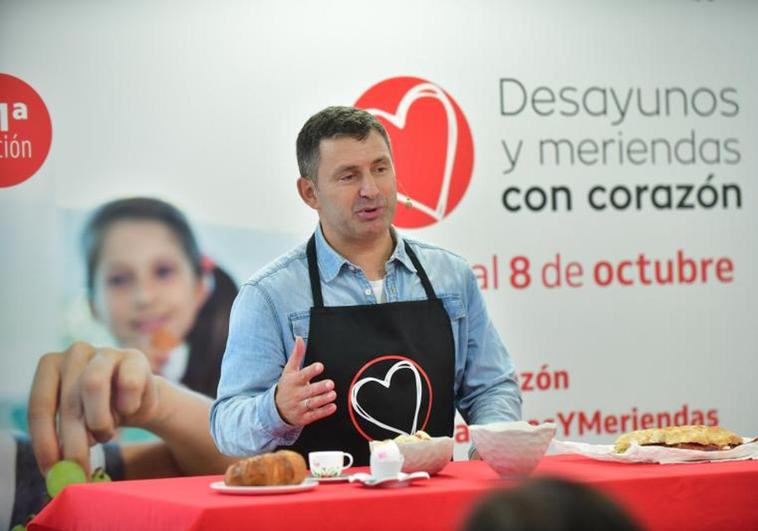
(512, 449)
(429, 455)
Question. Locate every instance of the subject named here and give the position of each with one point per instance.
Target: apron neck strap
(421, 273)
(310, 251)
(318, 299)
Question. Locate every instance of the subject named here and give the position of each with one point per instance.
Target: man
(397, 333)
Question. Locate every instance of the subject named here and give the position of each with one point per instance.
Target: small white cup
(328, 464)
(381, 469)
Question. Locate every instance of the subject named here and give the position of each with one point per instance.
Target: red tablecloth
(716, 496)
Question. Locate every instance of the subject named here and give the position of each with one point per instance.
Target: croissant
(284, 467)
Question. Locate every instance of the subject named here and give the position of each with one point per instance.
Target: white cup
(328, 464)
(386, 468)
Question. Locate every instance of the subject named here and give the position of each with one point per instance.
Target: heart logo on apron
(386, 382)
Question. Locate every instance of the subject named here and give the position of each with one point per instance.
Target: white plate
(307, 484)
(333, 479)
(402, 479)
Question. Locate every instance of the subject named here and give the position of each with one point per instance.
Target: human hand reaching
(82, 395)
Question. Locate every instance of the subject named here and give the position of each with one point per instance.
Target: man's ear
(307, 190)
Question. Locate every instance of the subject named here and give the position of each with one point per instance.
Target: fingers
(43, 405)
(296, 357)
(317, 413)
(306, 374)
(298, 400)
(315, 389)
(95, 385)
(72, 428)
(315, 402)
(73, 432)
(300, 403)
(133, 383)
(82, 395)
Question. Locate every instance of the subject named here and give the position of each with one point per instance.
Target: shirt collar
(330, 262)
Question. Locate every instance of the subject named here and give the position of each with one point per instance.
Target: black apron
(393, 367)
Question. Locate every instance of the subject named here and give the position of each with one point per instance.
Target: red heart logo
(432, 146)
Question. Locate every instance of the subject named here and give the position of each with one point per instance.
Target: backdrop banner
(591, 160)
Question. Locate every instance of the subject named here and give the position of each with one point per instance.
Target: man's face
(354, 192)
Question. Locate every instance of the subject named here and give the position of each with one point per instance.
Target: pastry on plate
(416, 437)
(691, 437)
(284, 467)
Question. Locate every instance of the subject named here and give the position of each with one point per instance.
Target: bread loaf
(284, 467)
(691, 437)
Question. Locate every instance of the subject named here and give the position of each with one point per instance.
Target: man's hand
(299, 401)
(82, 395)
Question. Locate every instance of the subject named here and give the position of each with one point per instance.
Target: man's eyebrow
(354, 167)
(345, 167)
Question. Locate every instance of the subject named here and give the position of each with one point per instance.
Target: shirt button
(352, 268)
(367, 291)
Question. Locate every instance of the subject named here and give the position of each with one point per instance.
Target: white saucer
(332, 479)
(307, 484)
(401, 480)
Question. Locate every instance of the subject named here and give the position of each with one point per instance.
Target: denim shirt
(273, 307)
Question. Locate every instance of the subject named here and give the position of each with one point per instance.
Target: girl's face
(145, 288)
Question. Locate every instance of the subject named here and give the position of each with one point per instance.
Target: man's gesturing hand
(299, 401)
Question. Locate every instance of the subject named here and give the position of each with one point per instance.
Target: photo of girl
(148, 282)
(166, 306)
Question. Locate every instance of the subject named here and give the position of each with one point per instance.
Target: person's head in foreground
(549, 504)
